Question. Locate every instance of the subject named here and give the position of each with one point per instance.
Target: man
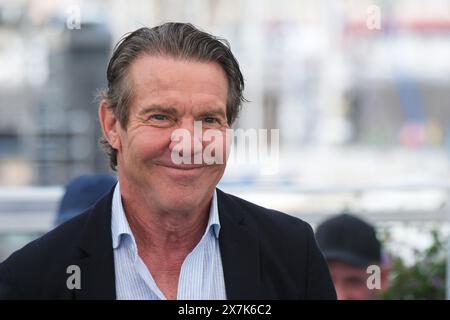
(165, 231)
(354, 257)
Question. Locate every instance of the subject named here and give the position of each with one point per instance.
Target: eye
(158, 117)
(211, 120)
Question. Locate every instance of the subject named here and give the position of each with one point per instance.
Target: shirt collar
(213, 221)
(120, 226)
(119, 222)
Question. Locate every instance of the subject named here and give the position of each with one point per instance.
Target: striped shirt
(201, 275)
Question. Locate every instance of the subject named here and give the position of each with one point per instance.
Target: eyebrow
(214, 112)
(158, 108)
(173, 111)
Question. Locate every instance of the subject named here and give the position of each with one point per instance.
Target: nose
(187, 142)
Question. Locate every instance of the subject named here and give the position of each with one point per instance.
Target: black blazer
(265, 255)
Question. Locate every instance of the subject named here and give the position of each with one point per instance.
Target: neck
(160, 231)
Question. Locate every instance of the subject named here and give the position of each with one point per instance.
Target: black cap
(349, 239)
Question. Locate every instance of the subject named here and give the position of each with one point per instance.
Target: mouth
(184, 167)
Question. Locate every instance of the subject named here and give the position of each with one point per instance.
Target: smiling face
(168, 94)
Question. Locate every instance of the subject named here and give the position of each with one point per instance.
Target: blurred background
(360, 91)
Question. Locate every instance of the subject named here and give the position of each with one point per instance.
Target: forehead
(169, 80)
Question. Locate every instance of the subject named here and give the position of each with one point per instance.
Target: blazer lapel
(96, 260)
(239, 247)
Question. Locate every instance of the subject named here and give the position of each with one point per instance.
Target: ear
(110, 125)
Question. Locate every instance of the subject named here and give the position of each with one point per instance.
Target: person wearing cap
(350, 246)
(81, 193)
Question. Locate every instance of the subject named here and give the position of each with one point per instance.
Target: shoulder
(266, 216)
(269, 221)
(58, 244)
(53, 243)
(291, 264)
(24, 273)
(39, 269)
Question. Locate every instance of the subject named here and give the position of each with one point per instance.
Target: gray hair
(177, 40)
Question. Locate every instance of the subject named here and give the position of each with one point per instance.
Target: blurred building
(48, 128)
(64, 140)
(363, 112)
(314, 69)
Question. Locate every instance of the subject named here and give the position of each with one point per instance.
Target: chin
(181, 197)
(181, 204)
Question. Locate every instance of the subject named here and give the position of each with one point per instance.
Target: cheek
(227, 147)
(210, 176)
(147, 143)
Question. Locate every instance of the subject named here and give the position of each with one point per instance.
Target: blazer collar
(96, 260)
(239, 247)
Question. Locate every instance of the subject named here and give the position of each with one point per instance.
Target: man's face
(170, 94)
(350, 281)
